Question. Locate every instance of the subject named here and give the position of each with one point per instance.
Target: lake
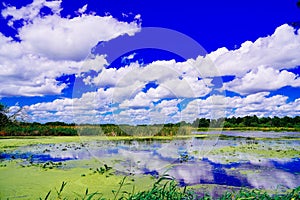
(264, 160)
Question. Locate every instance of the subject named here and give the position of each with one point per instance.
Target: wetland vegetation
(250, 158)
(169, 189)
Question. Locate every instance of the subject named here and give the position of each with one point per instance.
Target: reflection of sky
(189, 161)
(271, 179)
(192, 173)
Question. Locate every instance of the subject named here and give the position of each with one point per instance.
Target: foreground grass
(167, 189)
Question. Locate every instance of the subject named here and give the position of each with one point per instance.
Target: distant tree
(227, 124)
(56, 123)
(239, 120)
(286, 121)
(16, 114)
(254, 121)
(265, 121)
(276, 121)
(200, 123)
(231, 120)
(4, 120)
(296, 121)
(204, 122)
(11, 115)
(247, 120)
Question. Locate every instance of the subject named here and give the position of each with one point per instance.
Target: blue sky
(99, 62)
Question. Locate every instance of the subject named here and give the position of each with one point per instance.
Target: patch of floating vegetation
(31, 181)
(261, 150)
(11, 143)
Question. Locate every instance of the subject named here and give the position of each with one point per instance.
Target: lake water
(191, 161)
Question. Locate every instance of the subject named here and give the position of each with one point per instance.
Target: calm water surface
(190, 161)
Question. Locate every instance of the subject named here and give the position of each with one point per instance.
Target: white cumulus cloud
(279, 51)
(263, 79)
(51, 46)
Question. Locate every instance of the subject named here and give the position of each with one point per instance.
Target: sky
(146, 62)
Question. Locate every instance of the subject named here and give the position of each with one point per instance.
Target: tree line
(10, 126)
(250, 121)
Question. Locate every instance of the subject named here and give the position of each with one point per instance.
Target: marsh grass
(166, 188)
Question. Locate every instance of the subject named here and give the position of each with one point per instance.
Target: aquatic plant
(166, 188)
(50, 165)
(87, 196)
